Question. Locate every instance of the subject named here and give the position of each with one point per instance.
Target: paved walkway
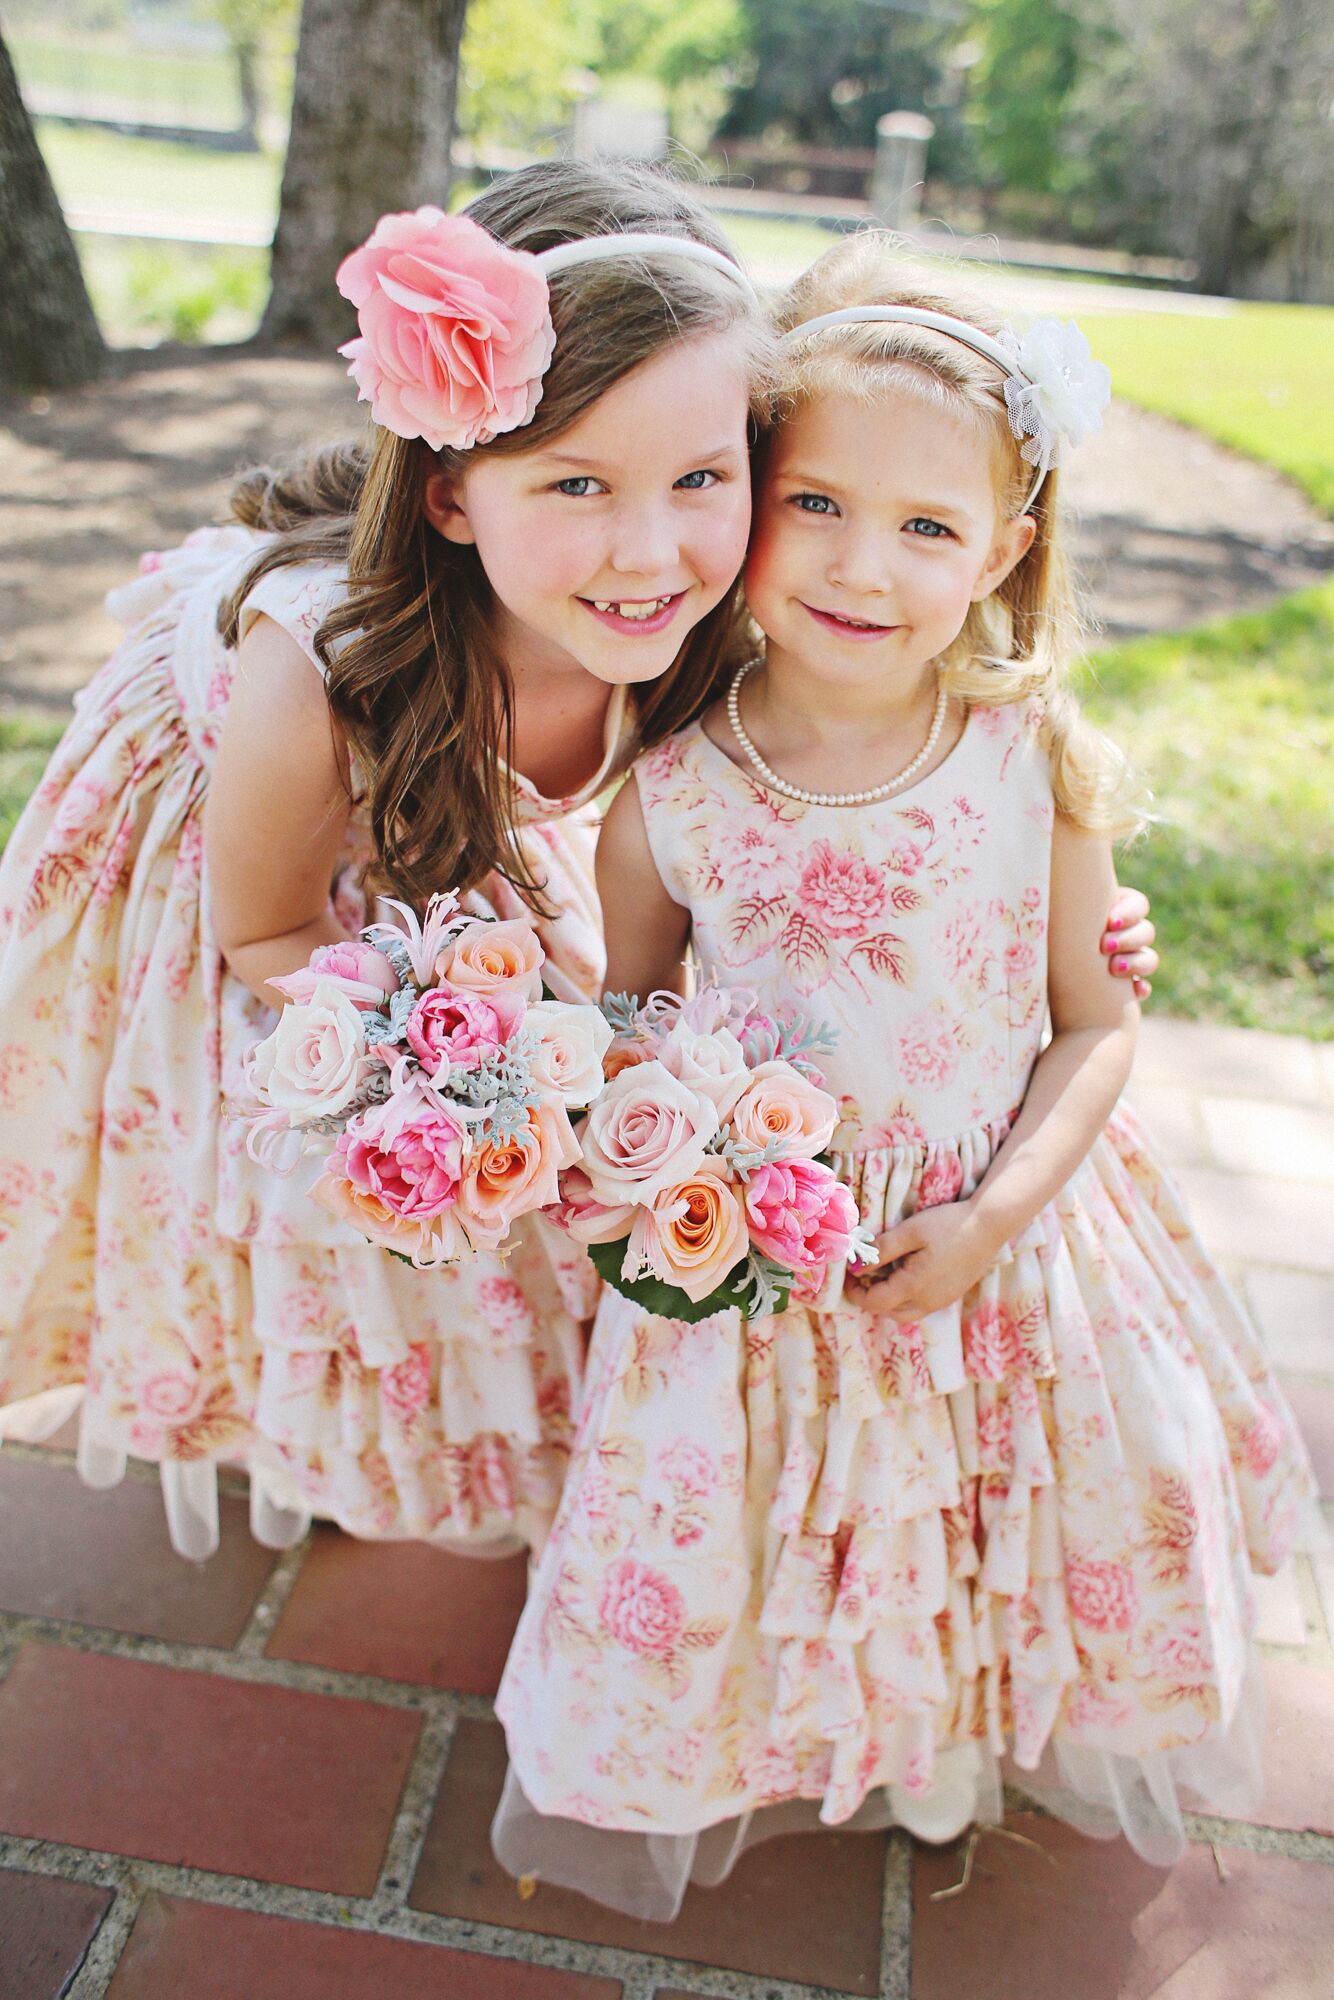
(271, 1778)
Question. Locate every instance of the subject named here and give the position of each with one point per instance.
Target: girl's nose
(859, 562)
(644, 542)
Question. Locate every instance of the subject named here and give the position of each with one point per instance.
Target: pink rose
(446, 1028)
(941, 1180)
(583, 1217)
(427, 1242)
(780, 1103)
(641, 1608)
(689, 1467)
(840, 892)
(646, 1132)
(169, 1398)
(456, 329)
(406, 1387)
(1102, 1595)
(694, 1234)
(506, 1179)
(715, 1064)
(358, 970)
(490, 958)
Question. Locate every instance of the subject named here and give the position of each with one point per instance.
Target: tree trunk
(49, 336)
(247, 83)
(372, 121)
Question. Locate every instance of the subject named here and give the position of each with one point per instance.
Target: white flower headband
(1055, 392)
(455, 326)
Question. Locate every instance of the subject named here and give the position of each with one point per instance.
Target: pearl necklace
(806, 798)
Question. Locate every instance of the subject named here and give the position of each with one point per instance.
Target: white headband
(1055, 393)
(625, 243)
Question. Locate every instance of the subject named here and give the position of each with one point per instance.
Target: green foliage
(820, 72)
(1029, 61)
(188, 293)
(520, 74)
(1233, 725)
(26, 742)
(1257, 377)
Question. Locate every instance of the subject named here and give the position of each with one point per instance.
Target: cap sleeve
(299, 597)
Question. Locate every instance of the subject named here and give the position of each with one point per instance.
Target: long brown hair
(415, 679)
(1022, 641)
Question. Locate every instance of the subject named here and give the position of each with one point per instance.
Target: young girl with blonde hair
(999, 1498)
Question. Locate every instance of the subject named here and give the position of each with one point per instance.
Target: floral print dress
(205, 1309)
(831, 1557)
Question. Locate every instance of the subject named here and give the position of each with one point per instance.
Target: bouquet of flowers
(701, 1183)
(423, 1061)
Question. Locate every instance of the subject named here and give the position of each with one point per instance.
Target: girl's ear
(1011, 545)
(442, 501)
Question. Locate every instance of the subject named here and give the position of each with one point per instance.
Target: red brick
(760, 1920)
(1299, 1748)
(1096, 1922)
(403, 1611)
(1313, 1406)
(105, 1559)
(199, 1771)
(178, 1948)
(46, 1926)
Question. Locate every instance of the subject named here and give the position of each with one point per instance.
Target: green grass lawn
(1233, 725)
(26, 741)
(1259, 378)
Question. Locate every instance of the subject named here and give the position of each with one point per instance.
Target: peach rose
(455, 329)
(645, 1133)
(780, 1103)
(486, 957)
(625, 1055)
(694, 1234)
(505, 1179)
(571, 1042)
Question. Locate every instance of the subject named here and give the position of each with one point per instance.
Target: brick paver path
(270, 1778)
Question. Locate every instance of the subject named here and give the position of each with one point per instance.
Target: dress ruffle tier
(196, 1308)
(1019, 1533)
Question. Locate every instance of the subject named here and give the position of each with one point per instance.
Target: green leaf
(667, 1301)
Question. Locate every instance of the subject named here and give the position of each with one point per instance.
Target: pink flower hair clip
(455, 326)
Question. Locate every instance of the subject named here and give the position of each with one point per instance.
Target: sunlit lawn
(1260, 378)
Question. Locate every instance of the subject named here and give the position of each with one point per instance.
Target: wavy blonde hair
(1021, 642)
(415, 678)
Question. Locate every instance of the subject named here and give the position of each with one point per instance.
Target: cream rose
(487, 956)
(571, 1042)
(713, 1064)
(646, 1132)
(694, 1234)
(315, 1061)
(779, 1103)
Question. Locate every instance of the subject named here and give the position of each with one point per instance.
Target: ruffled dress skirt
(193, 1308)
(827, 1567)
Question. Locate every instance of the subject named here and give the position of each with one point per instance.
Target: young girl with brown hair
(408, 667)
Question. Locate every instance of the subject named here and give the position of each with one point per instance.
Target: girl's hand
(937, 1255)
(1128, 941)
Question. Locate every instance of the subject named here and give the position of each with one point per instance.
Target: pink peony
(941, 1180)
(928, 1053)
(641, 1608)
(445, 1028)
(358, 970)
(1102, 1595)
(991, 1345)
(799, 1214)
(840, 892)
(406, 1386)
(407, 1153)
(455, 329)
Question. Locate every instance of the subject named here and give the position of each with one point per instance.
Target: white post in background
(901, 140)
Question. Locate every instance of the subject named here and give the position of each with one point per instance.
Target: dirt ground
(1173, 529)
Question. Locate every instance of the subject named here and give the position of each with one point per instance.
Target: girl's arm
(941, 1252)
(276, 813)
(647, 931)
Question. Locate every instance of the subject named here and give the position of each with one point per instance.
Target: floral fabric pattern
(804, 1557)
(208, 1309)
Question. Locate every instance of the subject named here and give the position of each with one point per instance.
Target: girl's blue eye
(931, 531)
(576, 489)
(695, 482)
(814, 503)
